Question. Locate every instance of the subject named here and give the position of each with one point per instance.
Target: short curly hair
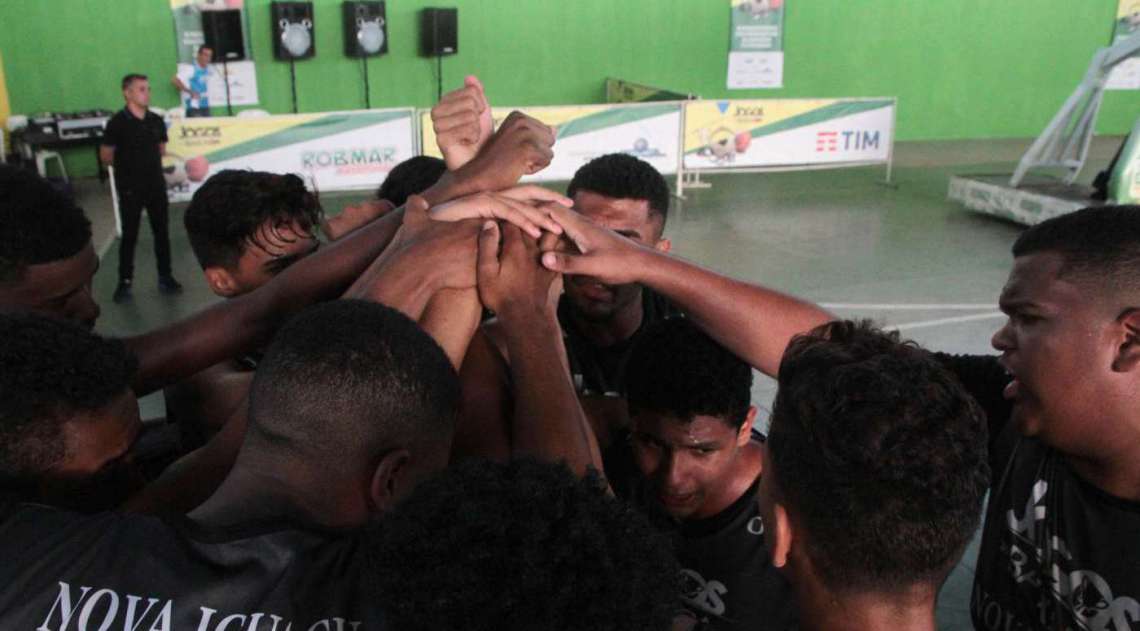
(1100, 244)
(411, 177)
(881, 455)
(677, 370)
(623, 176)
(345, 380)
(229, 212)
(38, 223)
(52, 369)
(524, 545)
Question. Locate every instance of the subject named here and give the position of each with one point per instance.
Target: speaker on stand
(365, 35)
(439, 36)
(292, 36)
(222, 31)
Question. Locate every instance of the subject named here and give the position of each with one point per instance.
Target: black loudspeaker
(292, 30)
(223, 34)
(365, 29)
(439, 32)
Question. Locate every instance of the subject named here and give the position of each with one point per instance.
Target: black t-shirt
(63, 571)
(138, 159)
(1057, 553)
(727, 578)
(601, 371)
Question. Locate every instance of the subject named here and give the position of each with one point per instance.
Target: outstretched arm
(181, 349)
(752, 321)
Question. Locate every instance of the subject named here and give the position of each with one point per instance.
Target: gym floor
(899, 253)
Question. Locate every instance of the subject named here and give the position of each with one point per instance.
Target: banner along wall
(742, 134)
(650, 132)
(333, 150)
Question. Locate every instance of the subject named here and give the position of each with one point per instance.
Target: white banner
(333, 151)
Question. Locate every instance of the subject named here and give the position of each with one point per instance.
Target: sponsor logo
(642, 149)
(186, 132)
(846, 140)
(356, 158)
(754, 113)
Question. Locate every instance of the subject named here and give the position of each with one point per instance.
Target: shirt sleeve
(111, 132)
(163, 138)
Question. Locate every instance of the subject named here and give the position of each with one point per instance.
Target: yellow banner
(706, 121)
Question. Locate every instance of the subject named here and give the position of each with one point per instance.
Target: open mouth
(1013, 388)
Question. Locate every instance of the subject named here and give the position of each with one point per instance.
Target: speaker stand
(367, 92)
(226, 78)
(293, 81)
(438, 77)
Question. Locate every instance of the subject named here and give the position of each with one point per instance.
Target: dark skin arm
(401, 279)
(176, 351)
(549, 423)
(752, 321)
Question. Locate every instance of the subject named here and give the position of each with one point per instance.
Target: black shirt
(601, 371)
(125, 571)
(727, 578)
(138, 159)
(1057, 552)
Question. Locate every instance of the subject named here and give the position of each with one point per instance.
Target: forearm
(451, 186)
(451, 317)
(548, 423)
(191, 479)
(179, 350)
(752, 321)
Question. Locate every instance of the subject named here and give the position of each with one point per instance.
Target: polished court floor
(899, 253)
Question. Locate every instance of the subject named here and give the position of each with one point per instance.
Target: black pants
(131, 205)
(197, 112)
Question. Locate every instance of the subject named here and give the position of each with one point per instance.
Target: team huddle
(474, 404)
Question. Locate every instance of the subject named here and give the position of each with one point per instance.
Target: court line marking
(923, 324)
(891, 306)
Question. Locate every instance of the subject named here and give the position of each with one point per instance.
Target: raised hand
(600, 253)
(522, 146)
(510, 278)
(462, 123)
(523, 206)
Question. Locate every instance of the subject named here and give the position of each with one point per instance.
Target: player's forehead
(616, 213)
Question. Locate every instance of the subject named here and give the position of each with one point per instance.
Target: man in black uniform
(875, 474)
(693, 460)
(134, 142)
(599, 321)
(1059, 547)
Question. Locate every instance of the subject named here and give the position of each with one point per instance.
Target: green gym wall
(960, 68)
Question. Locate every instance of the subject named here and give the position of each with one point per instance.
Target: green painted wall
(961, 68)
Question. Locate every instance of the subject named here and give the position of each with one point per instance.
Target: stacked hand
(491, 160)
(462, 123)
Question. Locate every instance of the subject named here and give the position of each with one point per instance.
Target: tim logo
(849, 140)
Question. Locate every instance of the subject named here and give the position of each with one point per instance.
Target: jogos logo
(848, 140)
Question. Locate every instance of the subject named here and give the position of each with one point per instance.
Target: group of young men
(479, 405)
